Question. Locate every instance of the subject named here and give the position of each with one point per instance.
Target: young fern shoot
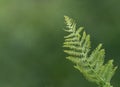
(89, 63)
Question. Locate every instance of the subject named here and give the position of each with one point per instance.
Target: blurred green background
(31, 37)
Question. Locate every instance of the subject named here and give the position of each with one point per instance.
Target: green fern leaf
(89, 63)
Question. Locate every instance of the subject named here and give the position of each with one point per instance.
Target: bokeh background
(31, 37)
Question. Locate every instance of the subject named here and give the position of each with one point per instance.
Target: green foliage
(89, 63)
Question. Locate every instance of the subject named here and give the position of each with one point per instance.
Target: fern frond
(89, 63)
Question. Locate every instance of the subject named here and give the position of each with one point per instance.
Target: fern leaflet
(89, 63)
